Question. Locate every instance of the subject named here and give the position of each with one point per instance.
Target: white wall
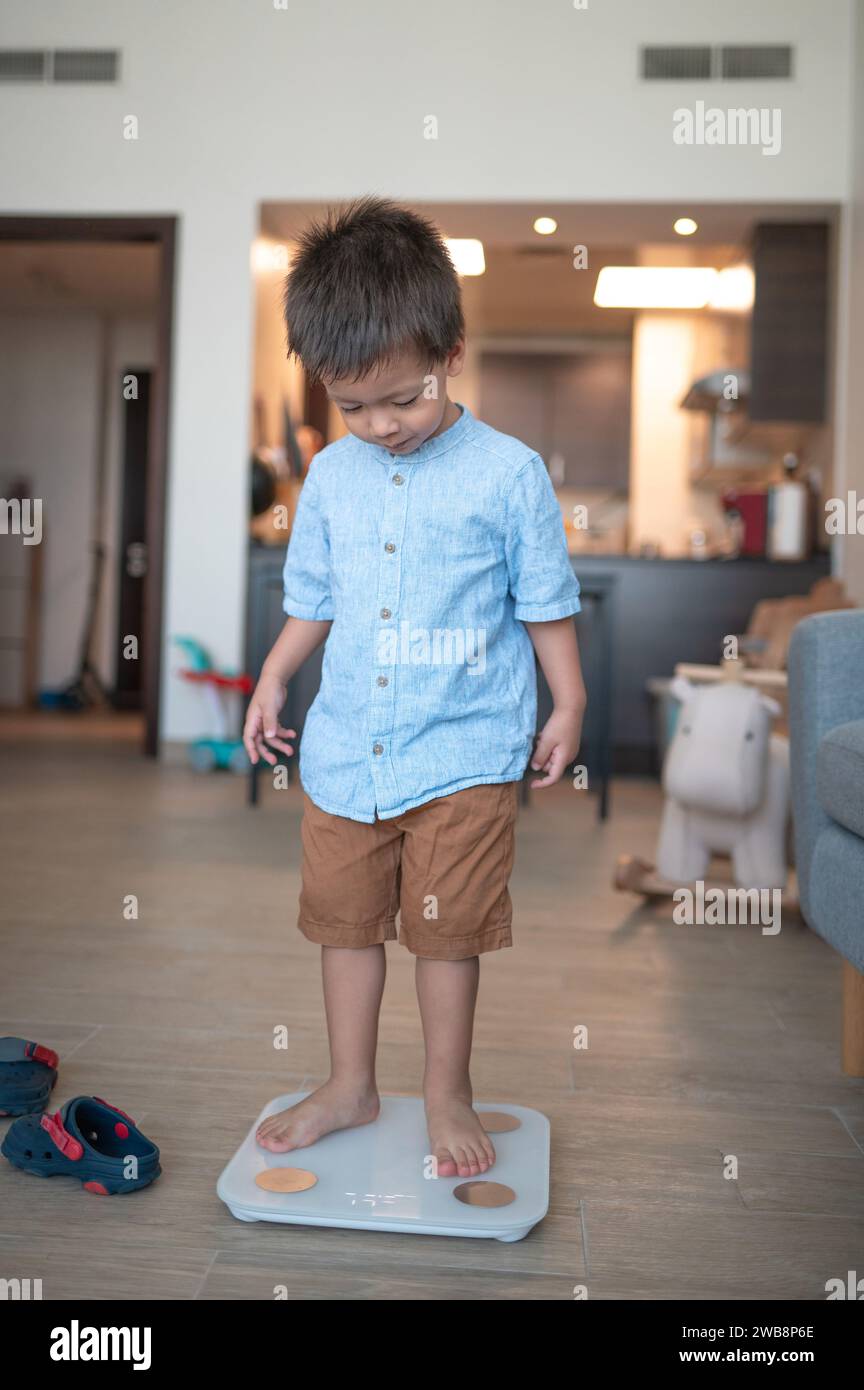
(49, 401)
(239, 101)
(663, 368)
(48, 391)
(850, 364)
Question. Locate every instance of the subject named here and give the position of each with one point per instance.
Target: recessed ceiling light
(545, 225)
(685, 226)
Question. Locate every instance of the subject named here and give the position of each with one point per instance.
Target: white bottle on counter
(788, 509)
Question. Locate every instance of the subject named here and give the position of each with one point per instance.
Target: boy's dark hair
(370, 281)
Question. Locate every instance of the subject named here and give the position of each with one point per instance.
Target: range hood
(711, 393)
(733, 440)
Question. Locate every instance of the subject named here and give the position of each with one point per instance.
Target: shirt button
(377, 748)
(385, 613)
(382, 680)
(398, 479)
(389, 547)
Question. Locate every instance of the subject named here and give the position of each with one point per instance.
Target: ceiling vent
(59, 65)
(729, 62)
(673, 62)
(19, 65)
(757, 60)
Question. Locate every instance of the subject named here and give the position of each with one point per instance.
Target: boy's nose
(384, 428)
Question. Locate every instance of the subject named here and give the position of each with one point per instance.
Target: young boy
(428, 550)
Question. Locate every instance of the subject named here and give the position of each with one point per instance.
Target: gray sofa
(826, 729)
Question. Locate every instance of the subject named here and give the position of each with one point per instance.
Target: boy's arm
(558, 742)
(308, 602)
(298, 639)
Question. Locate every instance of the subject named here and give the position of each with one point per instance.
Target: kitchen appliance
(751, 504)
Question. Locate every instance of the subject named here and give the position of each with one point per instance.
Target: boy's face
(401, 406)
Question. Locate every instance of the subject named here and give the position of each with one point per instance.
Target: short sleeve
(542, 581)
(306, 576)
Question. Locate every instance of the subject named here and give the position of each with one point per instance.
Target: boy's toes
(445, 1165)
(272, 1135)
(275, 1144)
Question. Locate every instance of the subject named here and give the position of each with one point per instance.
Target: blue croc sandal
(28, 1072)
(87, 1139)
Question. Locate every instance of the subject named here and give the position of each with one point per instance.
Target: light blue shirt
(428, 564)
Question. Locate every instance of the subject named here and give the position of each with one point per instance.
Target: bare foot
(457, 1138)
(333, 1106)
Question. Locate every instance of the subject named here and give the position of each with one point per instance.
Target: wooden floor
(704, 1042)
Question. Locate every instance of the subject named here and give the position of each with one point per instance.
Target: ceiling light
(545, 226)
(734, 288)
(685, 226)
(269, 257)
(654, 286)
(466, 253)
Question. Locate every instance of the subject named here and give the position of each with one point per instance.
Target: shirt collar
(431, 448)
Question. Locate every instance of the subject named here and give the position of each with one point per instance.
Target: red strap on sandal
(43, 1054)
(115, 1108)
(69, 1146)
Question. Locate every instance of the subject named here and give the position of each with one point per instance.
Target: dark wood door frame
(162, 231)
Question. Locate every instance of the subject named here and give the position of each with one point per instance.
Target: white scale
(372, 1178)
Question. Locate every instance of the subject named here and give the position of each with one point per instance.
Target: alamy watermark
(20, 1290)
(437, 646)
(718, 907)
(844, 516)
(22, 517)
(701, 125)
(851, 1288)
(77, 1343)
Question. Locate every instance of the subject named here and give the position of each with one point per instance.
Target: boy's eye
(350, 409)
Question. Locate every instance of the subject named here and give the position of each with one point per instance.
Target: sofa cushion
(837, 884)
(840, 775)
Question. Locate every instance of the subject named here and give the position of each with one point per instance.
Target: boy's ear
(456, 358)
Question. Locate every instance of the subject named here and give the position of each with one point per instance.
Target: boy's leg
(456, 862)
(447, 993)
(353, 986)
(348, 905)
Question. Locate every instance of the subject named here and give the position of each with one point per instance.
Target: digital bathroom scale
(372, 1178)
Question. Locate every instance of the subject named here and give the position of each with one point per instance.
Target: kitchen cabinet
(789, 328)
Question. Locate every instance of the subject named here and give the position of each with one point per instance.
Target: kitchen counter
(818, 559)
(656, 613)
(668, 611)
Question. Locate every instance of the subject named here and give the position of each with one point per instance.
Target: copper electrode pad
(484, 1194)
(498, 1121)
(285, 1179)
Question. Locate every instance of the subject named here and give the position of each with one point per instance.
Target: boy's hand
(262, 721)
(557, 745)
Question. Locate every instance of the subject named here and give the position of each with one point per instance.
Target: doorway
(115, 604)
(134, 540)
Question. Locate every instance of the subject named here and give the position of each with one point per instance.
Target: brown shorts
(444, 866)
